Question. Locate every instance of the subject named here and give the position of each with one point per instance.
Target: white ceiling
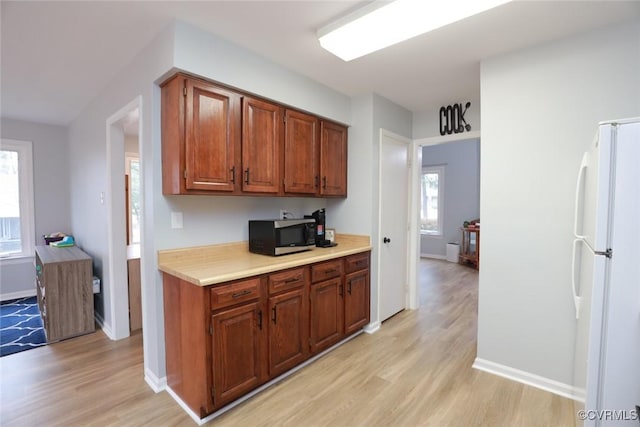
(57, 56)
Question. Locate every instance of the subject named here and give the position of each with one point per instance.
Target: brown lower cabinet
(237, 351)
(224, 340)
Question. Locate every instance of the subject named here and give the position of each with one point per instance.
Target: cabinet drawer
(356, 262)
(234, 293)
(289, 279)
(326, 270)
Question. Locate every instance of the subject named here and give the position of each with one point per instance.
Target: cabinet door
(333, 159)
(327, 314)
(211, 137)
(356, 301)
(288, 331)
(301, 153)
(236, 352)
(261, 141)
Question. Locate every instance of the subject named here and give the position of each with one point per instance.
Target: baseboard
(16, 295)
(156, 384)
(105, 328)
(555, 387)
(433, 256)
(184, 406)
(252, 393)
(372, 328)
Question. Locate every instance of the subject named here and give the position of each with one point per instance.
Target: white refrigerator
(606, 277)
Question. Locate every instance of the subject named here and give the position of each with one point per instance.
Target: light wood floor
(415, 371)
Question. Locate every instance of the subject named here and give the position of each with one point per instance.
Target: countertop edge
(279, 263)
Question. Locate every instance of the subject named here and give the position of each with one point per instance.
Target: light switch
(176, 219)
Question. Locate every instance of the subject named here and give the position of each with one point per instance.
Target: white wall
(88, 162)
(461, 190)
(51, 196)
(540, 109)
(209, 56)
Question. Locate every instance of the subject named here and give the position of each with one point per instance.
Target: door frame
(408, 266)
(414, 242)
(116, 242)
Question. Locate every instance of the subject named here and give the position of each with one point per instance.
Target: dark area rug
(20, 326)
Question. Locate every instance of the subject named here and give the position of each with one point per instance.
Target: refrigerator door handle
(583, 167)
(576, 298)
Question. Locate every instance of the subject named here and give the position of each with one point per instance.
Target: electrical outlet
(283, 214)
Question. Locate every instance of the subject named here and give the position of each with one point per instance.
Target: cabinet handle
(246, 176)
(233, 175)
(240, 294)
(349, 288)
(324, 182)
(317, 181)
(292, 279)
(275, 314)
(341, 290)
(331, 270)
(260, 319)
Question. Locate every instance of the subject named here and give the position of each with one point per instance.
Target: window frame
(440, 170)
(25, 191)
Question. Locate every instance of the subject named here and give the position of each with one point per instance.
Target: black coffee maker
(321, 222)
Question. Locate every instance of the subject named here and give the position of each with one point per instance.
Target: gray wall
(540, 111)
(207, 220)
(461, 190)
(51, 197)
(131, 144)
(358, 214)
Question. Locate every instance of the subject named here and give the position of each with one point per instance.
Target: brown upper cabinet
(217, 140)
(200, 137)
(301, 153)
(261, 142)
(333, 159)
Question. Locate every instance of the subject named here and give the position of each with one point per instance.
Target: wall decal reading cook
(452, 119)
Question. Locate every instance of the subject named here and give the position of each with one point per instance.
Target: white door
(394, 221)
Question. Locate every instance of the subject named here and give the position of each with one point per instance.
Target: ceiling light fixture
(382, 23)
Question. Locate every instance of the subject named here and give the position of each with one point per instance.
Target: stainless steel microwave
(281, 236)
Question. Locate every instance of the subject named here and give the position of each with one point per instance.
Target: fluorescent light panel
(381, 24)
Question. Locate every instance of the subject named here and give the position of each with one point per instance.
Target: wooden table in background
(470, 253)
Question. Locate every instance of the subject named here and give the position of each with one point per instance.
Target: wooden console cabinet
(65, 292)
(224, 340)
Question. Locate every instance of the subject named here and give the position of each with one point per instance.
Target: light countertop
(208, 265)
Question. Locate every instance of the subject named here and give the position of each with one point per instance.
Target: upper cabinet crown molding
(218, 140)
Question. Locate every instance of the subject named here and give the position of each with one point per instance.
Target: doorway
(415, 218)
(116, 301)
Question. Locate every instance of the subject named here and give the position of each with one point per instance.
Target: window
(432, 200)
(133, 194)
(16, 199)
